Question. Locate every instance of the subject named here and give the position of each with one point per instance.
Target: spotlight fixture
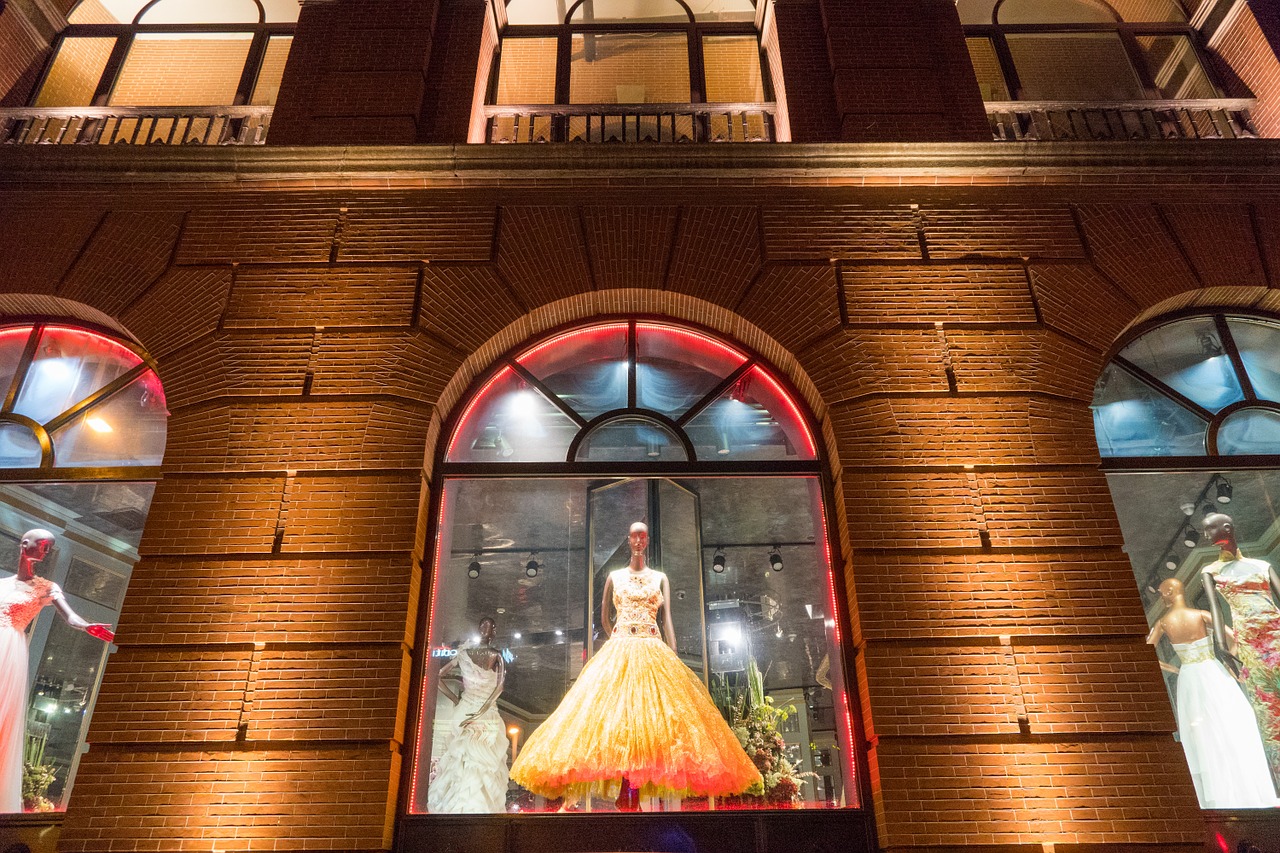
(1171, 562)
(717, 562)
(775, 559)
(1188, 509)
(1224, 491)
(723, 448)
(487, 439)
(473, 569)
(531, 567)
(1190, 536)
(652, 449)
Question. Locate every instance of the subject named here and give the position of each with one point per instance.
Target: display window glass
(1190, 442)
(82, 429)
(648, 624)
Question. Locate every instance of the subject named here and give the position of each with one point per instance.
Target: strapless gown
(1219, 733)
(20, 603)
(636, 711)
(470, 775)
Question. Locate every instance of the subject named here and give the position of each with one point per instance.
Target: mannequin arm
(1157, 631)
(95, 629)
(455, 698)
(493, 697)
(668, 627)
(1275, 583)
(1211, 595)
(606, 608)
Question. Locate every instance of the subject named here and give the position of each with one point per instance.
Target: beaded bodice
(637, 597)
(1246, 585)
(20, 602)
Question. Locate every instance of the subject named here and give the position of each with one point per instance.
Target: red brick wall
(1246, 60)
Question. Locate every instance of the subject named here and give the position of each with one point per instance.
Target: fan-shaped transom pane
(1054, 12)
(170, 12)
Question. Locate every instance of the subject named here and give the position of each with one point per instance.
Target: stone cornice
(1252, 162)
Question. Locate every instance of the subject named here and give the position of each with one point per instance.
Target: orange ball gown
(635, 711)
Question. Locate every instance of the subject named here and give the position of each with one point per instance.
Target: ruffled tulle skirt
(637, 712)
(470, 776)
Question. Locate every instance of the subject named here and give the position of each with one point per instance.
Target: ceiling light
(473, 569)
(718, 564)
(1224, 491)
(775, 559)
(1171, 562)
(1190, 536)
(97, 424)
(531, 567)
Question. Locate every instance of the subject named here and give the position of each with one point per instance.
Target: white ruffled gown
(20, 602)
(1219, 733)
(470, 776)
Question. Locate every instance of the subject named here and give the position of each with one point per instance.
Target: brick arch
(1255, 300)
(17, 307)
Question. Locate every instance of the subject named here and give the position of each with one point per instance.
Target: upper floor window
(1084, 50)
(626, 70)
(162, 71)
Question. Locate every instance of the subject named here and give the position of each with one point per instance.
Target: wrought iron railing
(630, 123)
(134, 125)
(1043, 121)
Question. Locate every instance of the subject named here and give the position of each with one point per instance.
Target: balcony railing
(134, 125)
(631, 123)
(1044, 121)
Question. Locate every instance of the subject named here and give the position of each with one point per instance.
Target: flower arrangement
(755, 720)
(36, 775)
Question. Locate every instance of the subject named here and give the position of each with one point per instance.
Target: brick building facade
(943, 304)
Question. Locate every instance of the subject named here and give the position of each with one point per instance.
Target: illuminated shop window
(1187, 416)
(1084, 50)
(82, 433)
(561, 449)
(176, 53)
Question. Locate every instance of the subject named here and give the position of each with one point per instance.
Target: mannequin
(1250, 588)
(470, 775)
(1216, 724)
(22, 597)
(636, 711)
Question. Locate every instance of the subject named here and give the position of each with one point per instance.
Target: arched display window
(546, 469)
(82, 434)
(1187, 417)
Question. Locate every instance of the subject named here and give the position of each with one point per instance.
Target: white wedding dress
(20, 602)
(470, 775)
(1219, 733)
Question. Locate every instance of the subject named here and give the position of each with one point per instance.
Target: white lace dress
(20, 602)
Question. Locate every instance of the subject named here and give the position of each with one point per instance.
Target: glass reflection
(1250, 431)
(19, 447)
(510, 422)
(128, 428)
(631, 440)
(1132, 419)
(754, 420)
(69, 365)
(1190, 357)
(586, 368)
(676, 368)
(1259, 346)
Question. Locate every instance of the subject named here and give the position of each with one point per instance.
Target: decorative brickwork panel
(328, 694)
(245, 800)
(716, 254)
(920, 595)
(921, 689)
(1049, 509)
(543, 254)
(273, 297)
(629, 246)
(963, 430)
(1268, 223)
(269, 599)
(214, 515)
(852, 363)
(806, 72)
(411, 365)
(297, 435)
(237, 364)
(168, 695)
(291, 229)
(417, 228)
(1131, 245)
(794, 303)
(128, 252)
(370, 93)
(465, 305)
(353, 513)
(952, 293)
(185, 304)
(1080, 301)
(1247, 63)
(1028, 360)
(1018, 232)
(25, 55)
(849, 232)
(40, 240)
(929, 509)
(1023, 793)
(1125, 692)
(1220, 242)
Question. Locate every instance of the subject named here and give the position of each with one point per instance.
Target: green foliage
(755, 720)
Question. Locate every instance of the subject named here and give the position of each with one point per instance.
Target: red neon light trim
(834, 616)
(586, 330)
(121, 351)
(479, 397)
(705, 340)
(426, 666)
(796, 415)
